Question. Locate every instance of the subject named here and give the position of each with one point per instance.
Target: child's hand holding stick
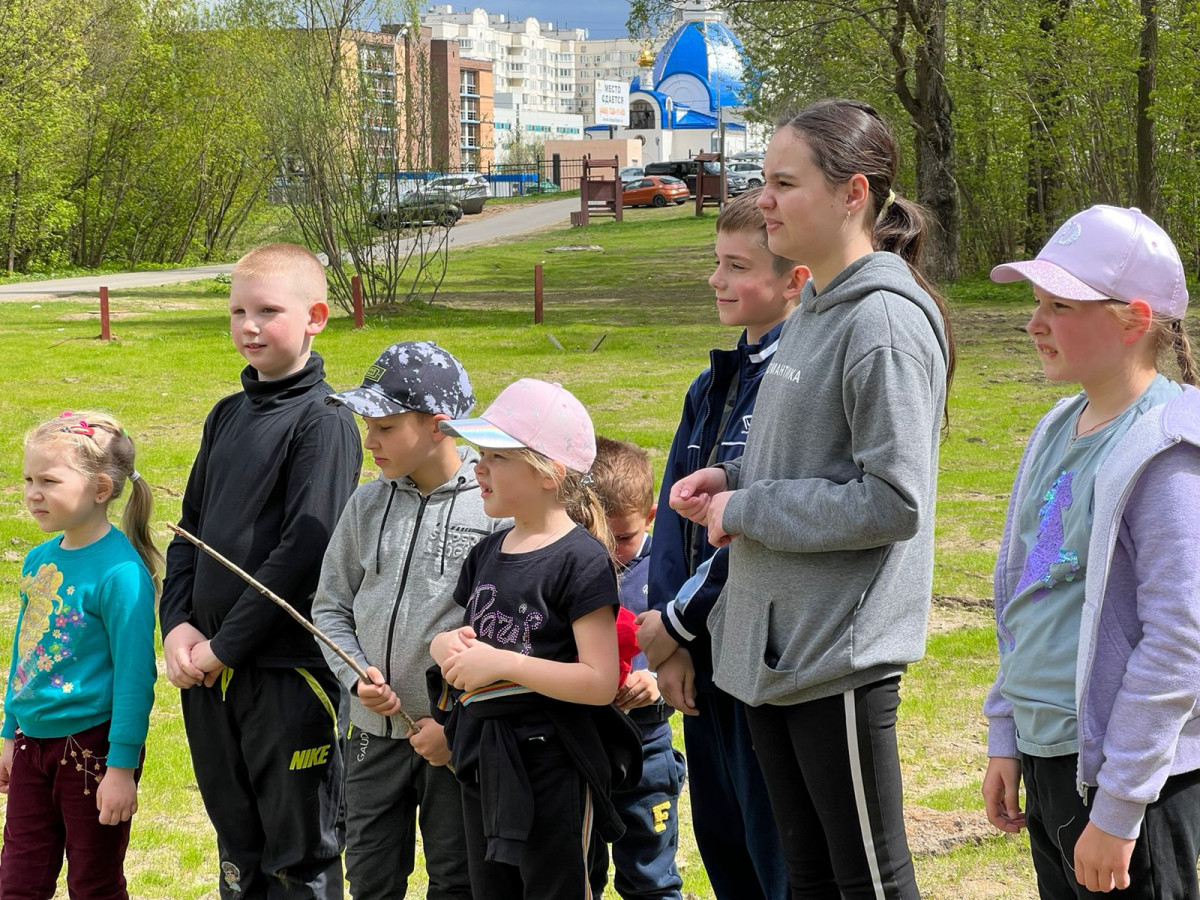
(362, 674)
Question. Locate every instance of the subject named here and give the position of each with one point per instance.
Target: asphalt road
(502, 225)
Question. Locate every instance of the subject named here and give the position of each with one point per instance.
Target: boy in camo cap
(387, 585)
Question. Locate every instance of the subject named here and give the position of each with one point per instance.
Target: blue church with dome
(683, 96)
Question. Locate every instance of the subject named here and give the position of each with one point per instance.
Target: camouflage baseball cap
(411, 376)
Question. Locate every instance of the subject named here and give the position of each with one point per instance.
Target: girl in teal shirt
(81, 680)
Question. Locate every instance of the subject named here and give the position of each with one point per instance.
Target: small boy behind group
(731, 811)
(387, 587)
(644, 858)
(274, 469)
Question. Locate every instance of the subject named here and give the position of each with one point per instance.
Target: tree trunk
(12, 219)
(933, 116)
(1045, 89)
(1146, 169)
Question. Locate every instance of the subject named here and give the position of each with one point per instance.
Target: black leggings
(833, 772)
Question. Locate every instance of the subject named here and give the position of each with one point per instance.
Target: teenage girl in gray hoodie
(829, 513)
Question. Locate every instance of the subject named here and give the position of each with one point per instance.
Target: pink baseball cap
(537, 415)
(1107, 253)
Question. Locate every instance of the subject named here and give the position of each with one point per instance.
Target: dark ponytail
(848, 138)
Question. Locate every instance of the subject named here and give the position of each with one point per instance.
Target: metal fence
(514, 179)
(504, 179)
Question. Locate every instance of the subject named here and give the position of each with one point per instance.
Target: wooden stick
(290, 610)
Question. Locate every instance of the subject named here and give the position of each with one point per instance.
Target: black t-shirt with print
(526, 602)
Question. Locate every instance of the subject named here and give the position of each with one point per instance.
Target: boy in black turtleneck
(275, 467)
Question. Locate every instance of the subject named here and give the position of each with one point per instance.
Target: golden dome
(646, 57)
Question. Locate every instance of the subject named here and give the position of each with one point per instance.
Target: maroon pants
(52, 809)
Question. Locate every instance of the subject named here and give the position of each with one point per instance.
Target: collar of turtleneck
(267, 396)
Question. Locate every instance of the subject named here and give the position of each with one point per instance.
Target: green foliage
(129, 132)
(1044, 100)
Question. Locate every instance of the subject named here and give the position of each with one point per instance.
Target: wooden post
(105, 327)
(356, 293)
(537, 294)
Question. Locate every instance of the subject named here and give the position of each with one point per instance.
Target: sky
(602, 18)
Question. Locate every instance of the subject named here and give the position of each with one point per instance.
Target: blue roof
(710, 52)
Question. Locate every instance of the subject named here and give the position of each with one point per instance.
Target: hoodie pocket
(773, 646)
(750, 660)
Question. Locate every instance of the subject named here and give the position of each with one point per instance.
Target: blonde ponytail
(1183, 353)
(576, 495)
(135, 522)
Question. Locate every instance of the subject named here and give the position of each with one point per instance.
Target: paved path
(501, 225)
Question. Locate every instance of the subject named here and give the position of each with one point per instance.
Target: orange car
(655, 190)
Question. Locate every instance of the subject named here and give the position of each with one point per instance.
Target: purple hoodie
(1137, 677)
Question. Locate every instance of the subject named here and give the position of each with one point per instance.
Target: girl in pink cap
(1097, 586)
(529, 679)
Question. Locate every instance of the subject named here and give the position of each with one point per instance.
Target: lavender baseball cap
(1107, 253)
(537, 415)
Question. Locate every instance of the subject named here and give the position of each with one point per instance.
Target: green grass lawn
(645, 295)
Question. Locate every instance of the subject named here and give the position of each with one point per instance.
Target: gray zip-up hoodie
(388, 578)
(1137, 674)
(831, 566)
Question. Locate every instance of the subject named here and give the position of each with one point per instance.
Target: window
(469, 81)
(641, 114)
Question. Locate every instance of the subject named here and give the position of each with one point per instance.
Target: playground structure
(599, 194)
(710, 186)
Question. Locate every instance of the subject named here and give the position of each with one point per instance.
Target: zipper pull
(1083, 790)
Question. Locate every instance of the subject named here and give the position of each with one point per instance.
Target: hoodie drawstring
(450, 512)
(382, 526)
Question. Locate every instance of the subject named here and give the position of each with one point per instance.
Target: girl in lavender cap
(1097, 584)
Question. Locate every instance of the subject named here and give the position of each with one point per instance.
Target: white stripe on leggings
(860, 796)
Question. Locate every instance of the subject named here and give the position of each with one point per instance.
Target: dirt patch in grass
(140, 310)
(952, 613)
(931, 831)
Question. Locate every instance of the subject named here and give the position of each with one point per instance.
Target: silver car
(470, 190)
(752, 172)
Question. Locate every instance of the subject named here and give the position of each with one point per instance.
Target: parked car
(686, 169)
(654, 190)
(629, 173)
(735, 183)
(469, 190)
(542, 187)
(752, 172)
(416, 208)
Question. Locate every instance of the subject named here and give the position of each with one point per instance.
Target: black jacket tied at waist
(485, 747)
